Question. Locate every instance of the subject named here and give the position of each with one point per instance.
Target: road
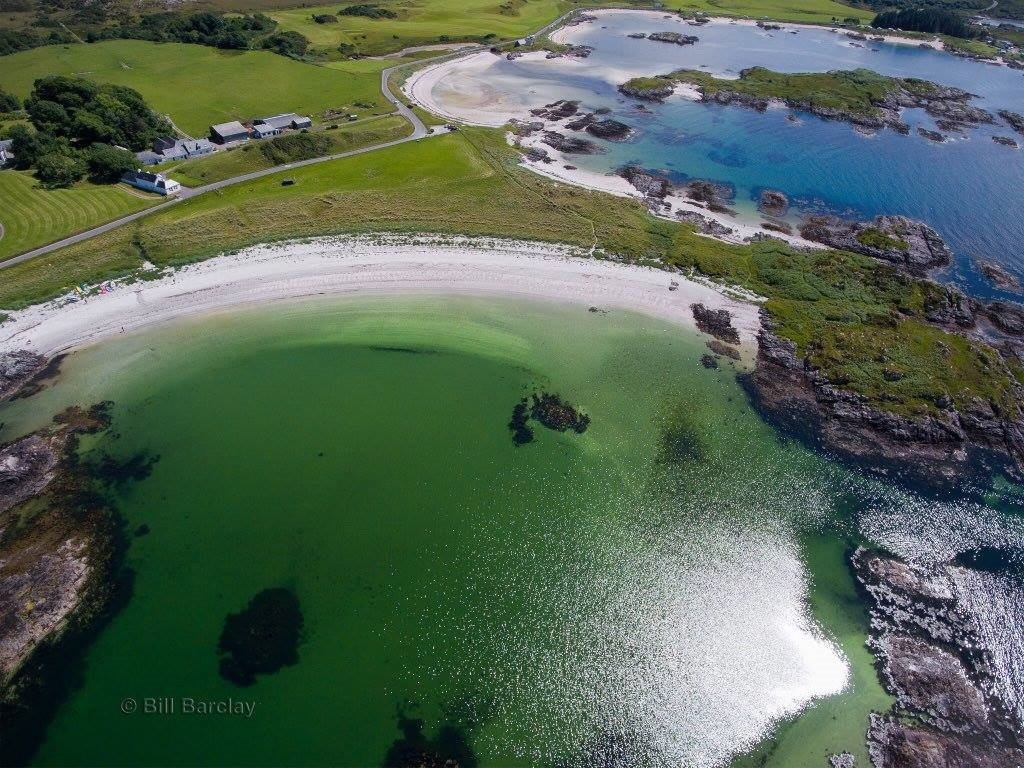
(419, 131)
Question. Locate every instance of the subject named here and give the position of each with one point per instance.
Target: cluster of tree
(933, 20)
(234, 32)
(369, 11)
(287, 43)
(325, 18)
(82, 127)
(12, 41)
(8, 102)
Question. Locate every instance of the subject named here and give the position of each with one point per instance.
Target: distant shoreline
(371, 266)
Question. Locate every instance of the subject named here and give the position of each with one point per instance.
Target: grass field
(248, 157)
(809, 11)
(32, 216)
(198, 86)
(422, 22)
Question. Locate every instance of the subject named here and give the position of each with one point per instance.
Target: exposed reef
(948, 709)
(1015, 120)
(998, 276)
(61, 572)
(909, 244)
(23, 373)
(571, 145)
(716, 322)
(675, 38)
(262, 638)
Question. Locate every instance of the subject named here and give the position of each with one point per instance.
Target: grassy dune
(198, 86)
(857, 319)
(32, 216)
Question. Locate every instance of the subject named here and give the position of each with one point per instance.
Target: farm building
(151, 182)
(225, 133)
(272, 126)
(166, 148)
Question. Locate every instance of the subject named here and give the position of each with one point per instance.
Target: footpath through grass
(32, 216)
(199, 86)
(253, 157)
(860, 322)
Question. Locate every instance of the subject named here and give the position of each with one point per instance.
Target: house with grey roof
(264, 127)
(225, 133)
(167, 148)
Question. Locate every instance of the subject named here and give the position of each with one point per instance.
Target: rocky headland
(909, 244)
(931, 658)
(860, 97)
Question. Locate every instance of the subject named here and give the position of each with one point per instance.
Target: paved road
(419, 131)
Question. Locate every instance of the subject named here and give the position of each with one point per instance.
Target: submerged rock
(448, 749)
(709, 361)
(935, 136)
(1006, 141)
(1015, 119)
(522, 433)
(997, 275)
(773, 202)
(262, 638)
(551, 411)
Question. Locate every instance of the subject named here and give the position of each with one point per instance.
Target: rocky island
(860, 97)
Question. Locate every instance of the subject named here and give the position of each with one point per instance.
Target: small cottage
(151, 182)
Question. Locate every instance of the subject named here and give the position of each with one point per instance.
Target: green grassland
(860, 322)
(250, 157)
(807, 11)
(421, 22)
(198, 85)
(32, 216)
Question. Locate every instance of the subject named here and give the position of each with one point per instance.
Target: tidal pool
(968, 189)
(669, 585)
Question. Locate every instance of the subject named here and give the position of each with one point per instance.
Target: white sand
(386, 265)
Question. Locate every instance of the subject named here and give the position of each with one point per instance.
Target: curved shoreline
(381, 266)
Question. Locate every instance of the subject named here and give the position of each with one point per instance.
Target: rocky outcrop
(1006, 141)
(998, 276)
(609, 129)
(648, 89)
(673, 37)
(558, 110)
(906, 243)
(648, 183)
(571, 51)
(17, 369)
(935, 136)
(936, 450)
(1015, 119)
(1007, 317)
(773, 203)
(704, 224)
(27, 466)
(573, 145)
(940, 670)
(716, 322)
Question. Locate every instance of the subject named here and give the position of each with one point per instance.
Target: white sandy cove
(385, 265)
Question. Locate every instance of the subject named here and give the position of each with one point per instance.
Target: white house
(5, 152)
(152, 182)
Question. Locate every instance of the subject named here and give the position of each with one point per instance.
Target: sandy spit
(372, 266)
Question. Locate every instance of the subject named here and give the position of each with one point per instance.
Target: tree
(108, 164)
(57, 170)
(9, 102)
(287, 44)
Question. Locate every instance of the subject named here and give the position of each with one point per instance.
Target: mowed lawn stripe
(33, 216)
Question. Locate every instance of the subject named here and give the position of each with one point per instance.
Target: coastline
(385, 265)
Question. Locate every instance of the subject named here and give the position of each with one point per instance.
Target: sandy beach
(366, 267)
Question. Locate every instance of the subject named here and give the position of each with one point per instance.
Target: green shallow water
(668, 586)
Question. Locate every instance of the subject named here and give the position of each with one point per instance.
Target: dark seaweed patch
(681, 442)
(261, 639)
(448, 749)
(115, 472)
(554, 413)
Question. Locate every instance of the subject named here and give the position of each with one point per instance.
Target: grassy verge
(860, 322)
(252, 157)
(32, 216)
(806, 11)
(199, 86)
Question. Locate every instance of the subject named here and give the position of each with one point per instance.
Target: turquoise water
(969, 189)
(671, 583)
